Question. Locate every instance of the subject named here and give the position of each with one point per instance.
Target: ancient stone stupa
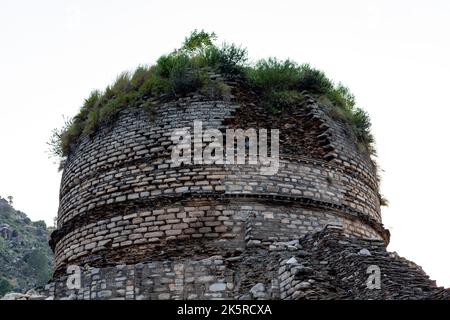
(132, 224)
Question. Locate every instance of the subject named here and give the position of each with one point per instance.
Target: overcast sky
(394, 55)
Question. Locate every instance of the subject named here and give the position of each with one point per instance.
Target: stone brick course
(122, 201)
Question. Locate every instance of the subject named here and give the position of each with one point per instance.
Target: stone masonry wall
(123, 202)
(240, 220)
(328, 264)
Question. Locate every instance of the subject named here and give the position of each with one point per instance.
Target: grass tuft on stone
(184, 71)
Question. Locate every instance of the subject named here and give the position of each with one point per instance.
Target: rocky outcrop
(6, 232)
(25, 258)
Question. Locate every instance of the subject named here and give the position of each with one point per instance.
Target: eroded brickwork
(328, 264)
(122, 201)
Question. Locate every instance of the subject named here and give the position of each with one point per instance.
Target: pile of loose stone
(330, 265)
(29, 295)
(325, 265)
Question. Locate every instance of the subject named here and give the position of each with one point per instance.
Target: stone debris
(260, 273)
(29, 295)
(364, 252)
(292, 261)
(258, 291)
(345, 276)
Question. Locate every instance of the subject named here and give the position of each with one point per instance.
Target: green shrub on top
(275, 101)
(184, 81)
(229, 59)
(184, 71)
(274, 74)
(313, 80)
(198, 40)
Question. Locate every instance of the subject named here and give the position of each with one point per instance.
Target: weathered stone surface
(364, 252)
(152, 230)
(217, 287)
(259, 273)
(30, 295)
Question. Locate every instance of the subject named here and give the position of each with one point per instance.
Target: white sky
(394, 55)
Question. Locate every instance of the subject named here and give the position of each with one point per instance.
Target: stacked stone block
(124, 202)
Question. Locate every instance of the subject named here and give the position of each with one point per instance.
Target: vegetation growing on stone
(283, 81)
(184, 71)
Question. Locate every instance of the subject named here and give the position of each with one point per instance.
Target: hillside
(25, 257)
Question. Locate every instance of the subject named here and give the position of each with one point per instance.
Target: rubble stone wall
(328, 264)
(202, 279)
(242, 220)
(123, 202)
